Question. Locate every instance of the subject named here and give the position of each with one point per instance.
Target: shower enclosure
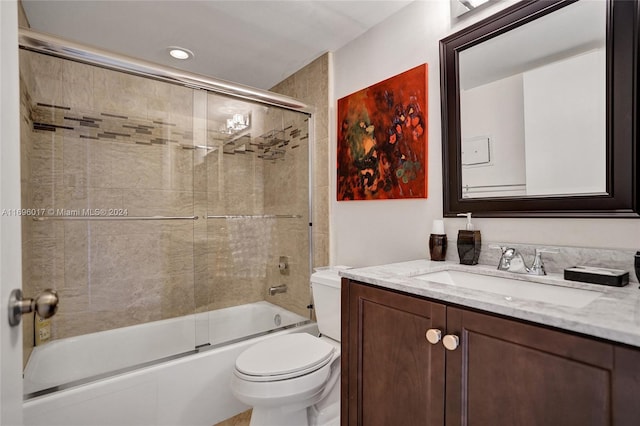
(153, 197)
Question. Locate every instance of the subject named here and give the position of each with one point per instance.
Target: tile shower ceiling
(257, 43)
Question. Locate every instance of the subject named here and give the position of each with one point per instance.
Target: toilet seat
(283, 357)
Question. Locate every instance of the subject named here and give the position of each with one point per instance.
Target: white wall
(495, 110)
(565, 124)
(375, 232)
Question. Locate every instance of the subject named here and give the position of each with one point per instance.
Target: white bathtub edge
(193, 390)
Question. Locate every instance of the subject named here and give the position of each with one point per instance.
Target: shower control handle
(283, 265)
(45, 305)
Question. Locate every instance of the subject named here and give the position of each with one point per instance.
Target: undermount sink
(514, 288)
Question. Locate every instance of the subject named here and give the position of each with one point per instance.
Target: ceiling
(256, 43)
(575, 29)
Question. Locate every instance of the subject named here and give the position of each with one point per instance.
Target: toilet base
(278, 417)
(325, 413)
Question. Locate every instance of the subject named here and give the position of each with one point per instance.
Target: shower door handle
(45, 305)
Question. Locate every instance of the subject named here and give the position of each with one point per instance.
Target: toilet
(294, 379)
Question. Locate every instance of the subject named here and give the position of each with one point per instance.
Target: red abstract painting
(382, 139)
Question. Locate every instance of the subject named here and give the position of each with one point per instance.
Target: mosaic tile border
(110, 127)
(106, 126)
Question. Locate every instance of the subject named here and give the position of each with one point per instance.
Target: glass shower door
(256, 200)
(170, 220)
(108, 164)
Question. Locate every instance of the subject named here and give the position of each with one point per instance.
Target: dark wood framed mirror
(539, 115)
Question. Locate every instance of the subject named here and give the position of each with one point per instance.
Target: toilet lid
(284, 355)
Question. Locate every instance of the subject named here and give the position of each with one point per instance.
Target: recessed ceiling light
(180, 52)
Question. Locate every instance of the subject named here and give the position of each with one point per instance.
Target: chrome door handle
(433, 335)
(45, 305)
(451, 342)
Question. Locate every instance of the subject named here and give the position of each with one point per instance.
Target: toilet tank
(325, 285)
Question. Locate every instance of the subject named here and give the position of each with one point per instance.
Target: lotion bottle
(469, 243)
(438, 241)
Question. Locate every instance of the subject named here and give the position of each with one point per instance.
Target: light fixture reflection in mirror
(460, 7)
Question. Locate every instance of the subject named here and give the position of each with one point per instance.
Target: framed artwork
(382, 139)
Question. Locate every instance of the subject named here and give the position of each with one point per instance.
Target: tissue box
(594, 275)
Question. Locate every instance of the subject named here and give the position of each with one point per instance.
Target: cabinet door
(391, 374)
(506, 372)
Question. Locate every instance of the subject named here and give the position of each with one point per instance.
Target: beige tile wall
(109, 274)
(26, 161)
(286, 193)
(311, 85)
(243, 253)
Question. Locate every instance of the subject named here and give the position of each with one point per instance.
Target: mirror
(539, 111)
(533, 100)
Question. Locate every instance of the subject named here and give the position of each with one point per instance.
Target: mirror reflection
(533, 108)
(460, 7)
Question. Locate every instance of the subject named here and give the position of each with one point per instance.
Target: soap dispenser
(469, 243)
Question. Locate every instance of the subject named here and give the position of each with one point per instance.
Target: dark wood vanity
(503, 371)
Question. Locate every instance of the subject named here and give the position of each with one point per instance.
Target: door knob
(433, 335)
(45, 305)
(451, 342)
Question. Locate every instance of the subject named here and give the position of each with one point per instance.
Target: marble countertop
(615, 315)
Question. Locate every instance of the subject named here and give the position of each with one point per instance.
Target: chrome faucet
(512, 261)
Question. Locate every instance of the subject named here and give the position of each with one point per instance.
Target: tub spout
(277, 289)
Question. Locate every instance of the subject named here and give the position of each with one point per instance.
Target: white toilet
(294, 379)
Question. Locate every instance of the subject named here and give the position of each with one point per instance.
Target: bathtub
(169, 372)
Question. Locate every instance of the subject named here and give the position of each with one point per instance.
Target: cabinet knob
(451, 342)
(433, 335)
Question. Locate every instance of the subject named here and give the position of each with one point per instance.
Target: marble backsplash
(565, 257)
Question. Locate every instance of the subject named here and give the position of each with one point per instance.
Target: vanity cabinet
(493, 371)
(390, 374)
